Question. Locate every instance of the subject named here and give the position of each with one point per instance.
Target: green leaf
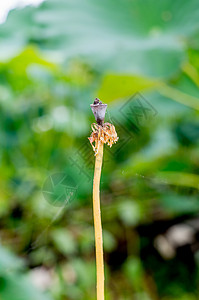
(129, 212)
(178, 179)
(134, 271)
(109, 241)
(115, 86)
(85, 271)
(139, 37)
(9, 262)
(64, 241)
(180, 97)
(19, 287)
(179, 204)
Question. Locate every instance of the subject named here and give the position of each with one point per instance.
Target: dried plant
(102, 133)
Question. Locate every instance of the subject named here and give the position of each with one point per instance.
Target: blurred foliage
(142, 58)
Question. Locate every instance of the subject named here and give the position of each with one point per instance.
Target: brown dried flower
(106, 134)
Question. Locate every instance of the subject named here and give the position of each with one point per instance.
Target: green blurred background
(142, 58)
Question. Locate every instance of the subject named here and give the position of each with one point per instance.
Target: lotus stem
(101, 134)
(98, 223)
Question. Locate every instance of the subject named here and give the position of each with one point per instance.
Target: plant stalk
(98, 223)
